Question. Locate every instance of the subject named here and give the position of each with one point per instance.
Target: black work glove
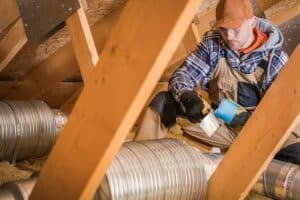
(291, 153)
(191, 106)
(240, 119)
(167, 108)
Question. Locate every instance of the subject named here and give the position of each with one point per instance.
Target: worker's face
(239, 38)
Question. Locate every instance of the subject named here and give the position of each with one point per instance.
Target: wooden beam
(83, 43)
(263, 135)
(53, 96)
(84, 49)
(12, 43)
(9, 13)
(62, 64)
(131, 64)
(286, 14)
(196, 32)
(60, 93)
(266, 4)
(189, 42)
(68, 105)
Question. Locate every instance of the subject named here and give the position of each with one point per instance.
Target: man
(238, 60)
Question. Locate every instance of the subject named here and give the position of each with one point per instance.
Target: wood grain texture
(62, 64)
(9, 13)
(12, 43)
(83, 43)
(131, 64)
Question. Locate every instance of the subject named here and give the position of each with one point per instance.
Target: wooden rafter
(9, 13)
(286, 14)
(67, 106)
(131, 64)
(12, 43)
(188, 42)
(85, 51)
(54, 96)
(263, 135)
(60, 93)
(62, 64)
(265, 4)
(83, 43)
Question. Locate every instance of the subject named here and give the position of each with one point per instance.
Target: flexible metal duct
(280, 181)
(28, 129)
(169, 169)
(158, 169)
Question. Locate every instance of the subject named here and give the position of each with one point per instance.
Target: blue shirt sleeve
(196, 68)
(277, 62)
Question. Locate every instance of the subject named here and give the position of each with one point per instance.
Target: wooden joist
(62, 64)
(131, 64)
(9, 13)
(85, 52)
(263, 135)
(12, 43)
(265, 4)
(187, 44)
(83, 43)
(54, 96)
(60, 93)
(286, 14)
(68, 105)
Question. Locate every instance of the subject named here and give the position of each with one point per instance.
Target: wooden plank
(270, 125)
(12, 43)
(131, 64)
(84, 49)
(286, 14)
(196, 32)
(189, 42)
(68, 105)
(53, 96)
(266, 4)
(60, 93)
(9, 13)
(62, 64)
(83, 42)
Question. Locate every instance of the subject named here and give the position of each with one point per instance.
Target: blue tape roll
(227, 110)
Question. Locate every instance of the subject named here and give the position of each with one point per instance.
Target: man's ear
(252, 21)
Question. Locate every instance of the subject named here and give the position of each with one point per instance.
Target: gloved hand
(191, 106)
(166, 106)
(240, 119)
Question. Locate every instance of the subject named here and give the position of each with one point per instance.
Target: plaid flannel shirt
(199, 66)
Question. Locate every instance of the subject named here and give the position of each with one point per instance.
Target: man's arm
(277, 62)
(196, 68)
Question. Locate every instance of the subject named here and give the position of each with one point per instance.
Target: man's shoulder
(212, 40)
(212, 35)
